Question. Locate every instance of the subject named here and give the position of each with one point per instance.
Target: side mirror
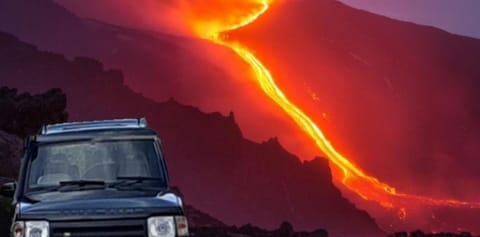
(7, 190)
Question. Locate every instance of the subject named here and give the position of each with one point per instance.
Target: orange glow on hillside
(214, 28)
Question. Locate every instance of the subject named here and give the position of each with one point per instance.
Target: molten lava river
(237, 14)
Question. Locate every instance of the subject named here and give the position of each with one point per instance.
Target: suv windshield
(93, 163)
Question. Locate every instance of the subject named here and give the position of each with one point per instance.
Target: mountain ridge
(218, 170)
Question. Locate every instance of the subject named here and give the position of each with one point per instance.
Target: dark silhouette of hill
(219, 171)
(11, 151)
(284, 230)
(24, 114)
(419, 233)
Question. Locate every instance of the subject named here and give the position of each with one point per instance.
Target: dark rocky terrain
(11, 150)
(422, 234)
(285, 230)
(23, 114)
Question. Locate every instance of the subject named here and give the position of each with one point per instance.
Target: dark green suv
(95, 179)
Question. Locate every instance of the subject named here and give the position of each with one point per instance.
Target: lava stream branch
(354, 178)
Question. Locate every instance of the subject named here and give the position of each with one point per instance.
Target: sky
(456, 16)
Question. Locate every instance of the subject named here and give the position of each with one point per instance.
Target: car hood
(105, 208)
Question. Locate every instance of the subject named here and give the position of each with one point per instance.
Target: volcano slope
(218, 170)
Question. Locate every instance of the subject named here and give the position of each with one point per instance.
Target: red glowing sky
(382, 91)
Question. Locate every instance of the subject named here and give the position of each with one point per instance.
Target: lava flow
(353, 177)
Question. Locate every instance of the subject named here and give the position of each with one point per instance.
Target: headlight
(30, 229)
(36, 229)
(161, 226)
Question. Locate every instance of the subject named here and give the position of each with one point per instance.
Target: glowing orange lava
(353, 177)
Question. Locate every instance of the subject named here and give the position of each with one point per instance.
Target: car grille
(117, 228)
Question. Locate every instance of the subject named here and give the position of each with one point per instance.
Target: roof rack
(93, 125)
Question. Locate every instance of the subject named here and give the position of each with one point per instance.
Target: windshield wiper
(130, 182)
(76, 185)
(82, 183)
(139, 178)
